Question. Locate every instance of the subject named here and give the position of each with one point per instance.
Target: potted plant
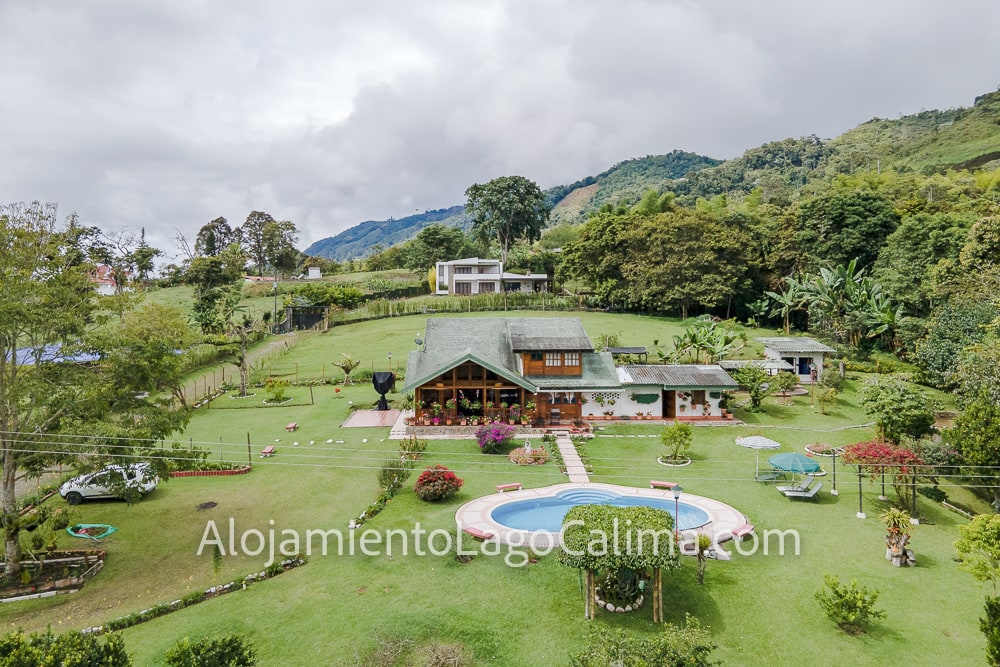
(897, 528)
(514, 414)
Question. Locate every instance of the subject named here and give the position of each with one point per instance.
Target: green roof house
(545, 371)
(506, 368)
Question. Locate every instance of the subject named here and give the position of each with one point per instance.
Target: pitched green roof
(494, 342)
(429, 372)
(598, 373)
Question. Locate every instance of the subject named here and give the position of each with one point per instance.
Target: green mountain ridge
(927, 142)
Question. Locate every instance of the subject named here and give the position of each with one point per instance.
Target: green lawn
(760, 608)
(314, 358)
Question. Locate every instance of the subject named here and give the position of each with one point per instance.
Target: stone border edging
(162, 609)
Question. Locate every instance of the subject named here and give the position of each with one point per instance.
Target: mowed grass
(371, 343)
(760, 608)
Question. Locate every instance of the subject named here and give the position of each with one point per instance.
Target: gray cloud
(167, 115)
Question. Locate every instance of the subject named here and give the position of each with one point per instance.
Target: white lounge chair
(809, 493)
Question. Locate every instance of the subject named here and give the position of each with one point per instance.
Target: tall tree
(976, 436)
(836, 228)
(682, 260)
(905, 262)
(434, 243)
(598, 254)
(213, 237)
(254, 236)
(279, 245)
(507, 209)
(48, 315)
(143, 257)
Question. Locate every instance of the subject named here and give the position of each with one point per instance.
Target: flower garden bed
(58, 573)
(221, 472)
(522, 457)
(819, 449)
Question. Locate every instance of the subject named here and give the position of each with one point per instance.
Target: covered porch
(470, 393)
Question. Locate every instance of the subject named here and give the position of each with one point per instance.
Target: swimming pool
(495, 513)
(547, 512)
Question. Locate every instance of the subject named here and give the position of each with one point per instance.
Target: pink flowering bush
(437, 483)
(494, 437)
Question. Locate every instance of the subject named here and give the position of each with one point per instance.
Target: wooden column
(657, 595)
(591, 602)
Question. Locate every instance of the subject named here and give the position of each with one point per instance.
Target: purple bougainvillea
(494, 437)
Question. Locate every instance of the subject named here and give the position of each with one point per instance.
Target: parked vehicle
(113, 481)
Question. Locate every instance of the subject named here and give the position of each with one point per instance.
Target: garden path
(575, 469)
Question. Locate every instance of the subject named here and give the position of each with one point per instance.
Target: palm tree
(788, 300)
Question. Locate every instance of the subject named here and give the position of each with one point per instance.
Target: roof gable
(795, 344)
(494, 343)
(548, 333)
(428, 373)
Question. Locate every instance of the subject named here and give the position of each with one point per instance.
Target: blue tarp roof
(26, 355)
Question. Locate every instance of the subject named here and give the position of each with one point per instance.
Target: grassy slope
(929, 139)
(505, 616)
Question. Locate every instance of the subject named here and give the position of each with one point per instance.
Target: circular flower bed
(523, 457)
(819, 449)
(621, 591)
(674, 463)
(437, 483)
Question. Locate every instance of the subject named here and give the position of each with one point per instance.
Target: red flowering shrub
(881, 457)
(437, 483)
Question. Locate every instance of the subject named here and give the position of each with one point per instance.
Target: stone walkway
(575, 469)
(398, 430)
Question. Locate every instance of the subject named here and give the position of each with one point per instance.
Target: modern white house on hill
(473, 275)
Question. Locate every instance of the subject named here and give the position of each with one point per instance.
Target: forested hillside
(625, 182)
(777, 172)
(358, 241)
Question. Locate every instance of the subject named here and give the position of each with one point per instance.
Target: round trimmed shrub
(437, 483)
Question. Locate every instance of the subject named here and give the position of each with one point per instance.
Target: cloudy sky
(167, 114)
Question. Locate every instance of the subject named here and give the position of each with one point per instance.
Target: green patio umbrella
(794, 462)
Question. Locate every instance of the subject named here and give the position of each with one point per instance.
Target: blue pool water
(547, 513)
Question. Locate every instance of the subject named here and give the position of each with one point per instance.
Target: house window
(698, 397)
(463, 269)
(553, 359)
(463, 288)
(536, 356)
(486, 288)
(571, 358)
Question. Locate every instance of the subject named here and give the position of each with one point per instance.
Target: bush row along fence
(210, 383)
(383, 308)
